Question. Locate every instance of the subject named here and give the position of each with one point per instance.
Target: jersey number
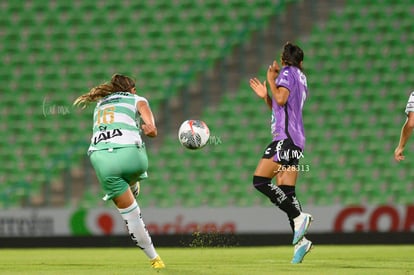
(105, 116)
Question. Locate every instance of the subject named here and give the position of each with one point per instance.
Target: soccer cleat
(157, 263)
(301, 249)
(302, 223)
(135, 189)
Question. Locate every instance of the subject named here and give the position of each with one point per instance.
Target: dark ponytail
(122, 83)
(292, 55)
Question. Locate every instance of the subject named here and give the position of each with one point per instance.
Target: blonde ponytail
(119, 83)
(93, 95)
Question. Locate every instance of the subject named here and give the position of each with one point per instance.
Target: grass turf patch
(323, 259)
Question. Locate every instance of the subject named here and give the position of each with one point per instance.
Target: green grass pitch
(322, 259)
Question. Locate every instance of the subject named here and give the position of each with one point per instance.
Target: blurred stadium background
(193, 59)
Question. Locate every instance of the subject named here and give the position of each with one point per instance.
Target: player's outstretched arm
(261, 90)
(406, 131)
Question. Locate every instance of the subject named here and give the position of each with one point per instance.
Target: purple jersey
(287, 120)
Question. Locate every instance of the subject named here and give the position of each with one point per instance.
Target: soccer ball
(193, 134)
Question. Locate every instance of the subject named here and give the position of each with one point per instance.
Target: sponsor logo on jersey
(105, 135)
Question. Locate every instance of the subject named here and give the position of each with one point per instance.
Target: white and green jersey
(116, 122)
(410, 104)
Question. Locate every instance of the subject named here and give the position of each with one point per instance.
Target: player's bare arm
(261, 90)
(406, 131)
(280, 94)
(148, 126)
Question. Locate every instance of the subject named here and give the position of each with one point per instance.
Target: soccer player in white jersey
(280, 159)
(118, 153)
(406, 130)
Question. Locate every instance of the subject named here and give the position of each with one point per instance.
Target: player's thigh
(267, 168)
(117, 168)
(124, 200)
(287, 175)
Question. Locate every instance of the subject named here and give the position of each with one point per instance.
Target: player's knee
(265, 186)
(259, 181)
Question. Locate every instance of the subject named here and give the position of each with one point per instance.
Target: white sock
(137, 229)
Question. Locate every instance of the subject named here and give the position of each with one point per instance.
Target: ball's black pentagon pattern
(199, 124)
(190, 140)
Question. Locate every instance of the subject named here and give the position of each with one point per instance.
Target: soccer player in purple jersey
(281, 157)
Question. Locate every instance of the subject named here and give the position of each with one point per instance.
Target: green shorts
(118, 167)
